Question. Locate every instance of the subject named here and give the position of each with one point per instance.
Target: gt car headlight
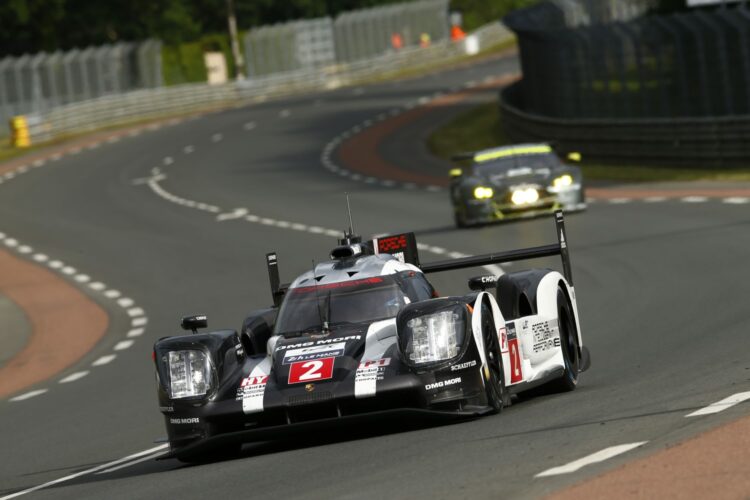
(483, 193)
(563, 181)
(189, 373)
(524, 196)
(435, 337)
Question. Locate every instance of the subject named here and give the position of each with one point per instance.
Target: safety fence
(667, 88)
(352, 36)
(699, 142)
(144, 104)
(40, 82)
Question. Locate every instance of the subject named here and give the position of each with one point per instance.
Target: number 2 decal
(516, 374)
(310, 371)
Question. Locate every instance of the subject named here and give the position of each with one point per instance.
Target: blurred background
(660, 81)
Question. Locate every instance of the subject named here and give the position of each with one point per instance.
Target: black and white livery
(364, 335)
(509, 182)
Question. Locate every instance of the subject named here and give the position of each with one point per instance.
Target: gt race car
(364, 336)
(523, 180)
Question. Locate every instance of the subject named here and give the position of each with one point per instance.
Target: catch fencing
(118, 109)
(670, 88)
(352, 36)
(40, 82)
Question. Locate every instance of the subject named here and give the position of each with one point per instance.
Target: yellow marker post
(19, 137)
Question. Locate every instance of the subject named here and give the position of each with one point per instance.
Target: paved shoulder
(15, 331)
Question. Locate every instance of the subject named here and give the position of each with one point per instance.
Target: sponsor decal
(443, 383)
(166, 409)
(516, 372)
(463, 366)
(511, 330)
(181, 421)
(314, 352)
(544, 335)
(503, 334)
(311, 371)
(318, 342)
(367, 375)
(252, 387)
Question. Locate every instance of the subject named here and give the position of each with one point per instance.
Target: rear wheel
(568, 345)
(497, 394)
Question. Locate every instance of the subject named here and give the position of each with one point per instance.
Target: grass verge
(481, 128)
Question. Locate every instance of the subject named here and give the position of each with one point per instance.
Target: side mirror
(194, 322)
(455, 172)
(575, 156)
(482, 283)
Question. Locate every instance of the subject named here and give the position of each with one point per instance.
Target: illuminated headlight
(189, 374)
(483, 193)
(524, 196)
(435, 337)
(562, 182)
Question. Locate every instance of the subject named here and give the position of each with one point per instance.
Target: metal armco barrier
(702, 142)
(143, 104)
(664, 88)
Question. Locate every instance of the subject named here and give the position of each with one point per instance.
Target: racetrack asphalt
(660, 288)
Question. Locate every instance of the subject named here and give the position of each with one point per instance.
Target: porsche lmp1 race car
(365, 336)
(509, 182)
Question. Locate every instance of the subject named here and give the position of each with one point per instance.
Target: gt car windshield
(520, 165)
(357, 301)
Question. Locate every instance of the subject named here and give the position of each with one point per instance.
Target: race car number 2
(311, 371)
(516, 375)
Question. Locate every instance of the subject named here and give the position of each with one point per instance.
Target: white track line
(722, 405)
(737, 200)
(122, 345)
(139, 321)
(137, 461)
(28, 395)
(240, 214)
(74, 376)
(594, 458)
(85, 472)
(135, 332)
(104, 360)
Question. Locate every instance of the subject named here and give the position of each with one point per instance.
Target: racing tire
(459, 220)
(568, 345)
(497, 394)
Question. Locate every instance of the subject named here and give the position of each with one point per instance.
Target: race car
(365, 337)
(509, 182)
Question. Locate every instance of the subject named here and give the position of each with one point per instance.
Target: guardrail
(147, 104)
(690, 142)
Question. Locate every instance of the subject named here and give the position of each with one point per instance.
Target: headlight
(563, 181)
(435, 337)
(524, 196)
(189, 373)
(483, 193)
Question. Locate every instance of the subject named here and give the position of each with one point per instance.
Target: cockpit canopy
(313, 308)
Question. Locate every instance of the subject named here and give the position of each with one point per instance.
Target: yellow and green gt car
(523, 180)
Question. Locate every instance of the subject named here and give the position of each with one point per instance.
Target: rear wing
(404, 248)
(560, 248)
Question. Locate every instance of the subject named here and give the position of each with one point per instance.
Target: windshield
(517, 165)
(357, 301)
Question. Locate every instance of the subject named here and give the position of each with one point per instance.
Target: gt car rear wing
(560, 248)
